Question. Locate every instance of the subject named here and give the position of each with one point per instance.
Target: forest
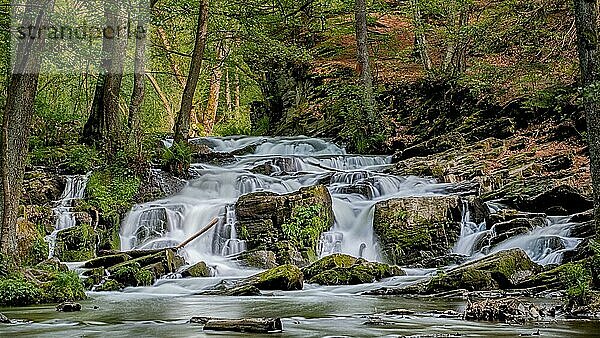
(414, 168)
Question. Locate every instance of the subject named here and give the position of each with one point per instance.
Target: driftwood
(141, 253)
(252, 325)
(198, 234)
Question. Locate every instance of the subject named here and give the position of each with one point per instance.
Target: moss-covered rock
(107, 261)
(413, 229)
(63, 286)
(35, 286)
(42, 187)
(199, 269)
(76, 244)
(288, 225)
(340, 269)
(109, 285)
(284, 277)
(503, 270)
(132, 275)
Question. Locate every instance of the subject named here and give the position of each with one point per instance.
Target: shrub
(63, 286)
(16, 291)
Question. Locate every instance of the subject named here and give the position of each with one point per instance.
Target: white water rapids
(357, 184)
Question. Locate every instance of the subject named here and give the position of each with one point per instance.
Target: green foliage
(38, 251)
(305, 225)
(82, 159)
(578, 282)
(64, 286)
(17, 291)
(133, 275)
(177, 159)
(112, 192)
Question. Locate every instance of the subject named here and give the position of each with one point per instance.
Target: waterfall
(356, 184)
(74, 190)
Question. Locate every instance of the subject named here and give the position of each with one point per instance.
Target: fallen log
(251, 325)
(198, 234)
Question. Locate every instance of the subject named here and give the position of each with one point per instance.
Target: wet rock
(285, 277)
(288, 225)
(400, 312)
(581, 251)
(68, 307)
(158, 184)
(93, 277)
(143, 271)
(583, 230)
(502, 270)
(76, 244)
(199, 269)
(583, 217)
(233, 290)
(261, 259)
(564, 196)
(4, 319)
(527, 223)
(214, 158)
(508, 215)
(107, 261)
(42, 187)
(442, 261)
(508, 310)
(276, 166)
(413, 229)
(328, 263)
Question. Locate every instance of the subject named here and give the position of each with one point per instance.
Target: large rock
(42, 187)
(339, 269)
(502, 270)
(413, 229)
(76, 244)
(559, 201)
(199, 269)
(288, 225)
(507, 310)
(260, 259)
(284, 277)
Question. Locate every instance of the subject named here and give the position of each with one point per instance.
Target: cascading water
(355, 182)
(74, 190)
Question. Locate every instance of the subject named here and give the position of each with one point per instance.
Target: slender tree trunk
(164, 99)
(16, 122)
(586, 14)
(182, 125)
(237, 91)
(212, 106)
(420, 39)
(228, 92)
(362, 57)
(104, 126)
(165, 41)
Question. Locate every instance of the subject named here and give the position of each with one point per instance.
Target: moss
(328, 263)
(17, 291)
(63, 286)
(306, 225)
(284, 277)
(132, 274)
(76, 244)
(110, 285)
(360, 272)
(112, 192)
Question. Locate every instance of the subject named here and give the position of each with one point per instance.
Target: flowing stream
(356, 183)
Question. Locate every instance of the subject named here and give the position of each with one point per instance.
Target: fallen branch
(198, 234)
(253, 325)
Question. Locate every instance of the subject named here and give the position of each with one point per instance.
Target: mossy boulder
(75, 244)
(107, 261)
(199, 269)
(109, 285)
(35, 286)
(328, 263)
(287, 225)
(414, 229)
(41, 187)
(503, 270)
(558, 201)
(361, 272)
(133, 275)
(285, 277)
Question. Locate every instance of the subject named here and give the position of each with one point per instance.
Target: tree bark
(237, 92)
(210, 115)
(586, 14)
(228, 92)
(362, 58)
(104, 126)
(16, 122)
(163, 98)
(420, 39)
(182, 125)
(137, 95)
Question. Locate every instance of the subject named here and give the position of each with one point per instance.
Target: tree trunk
(586, 14)
(182, 125)
(16, 123)
(210, 115)
(237, 91)
(228, 92)
(104, 126)
(137, 96)
(174, 66)
(420, 39)
(362, 58)
(164, 100)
